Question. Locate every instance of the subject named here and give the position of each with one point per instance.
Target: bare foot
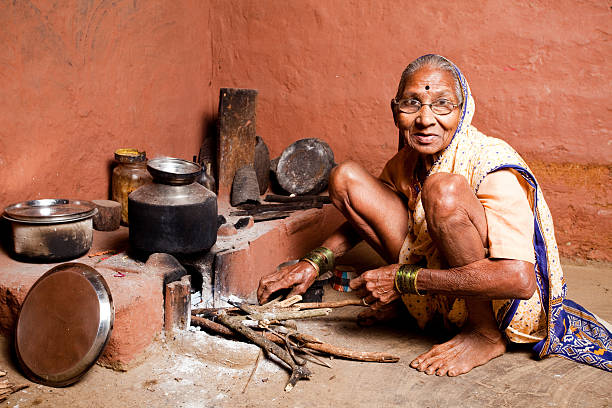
(470, 348)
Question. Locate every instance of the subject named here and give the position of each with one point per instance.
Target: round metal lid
(304, 166)
(65, 321)
(169, 170)
(50, 211)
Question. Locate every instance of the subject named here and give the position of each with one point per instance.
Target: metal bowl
(170, 170)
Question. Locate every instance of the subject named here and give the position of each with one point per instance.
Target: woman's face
(424, 131)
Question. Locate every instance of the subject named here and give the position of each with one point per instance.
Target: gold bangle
(317, 260)
(328, 254)
(405, 279)
(414, 283)
(314, 265)
(397, 274)
(322, 257)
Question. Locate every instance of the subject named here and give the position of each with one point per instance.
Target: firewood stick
(220, 329)
(292, 314)
(317, 359)
(259, 353)
(297, 372)
(279, 336)
(9, 389)
(281, 314)
(315, 344)
(290, 301)
(288, 304)
(308, 341)
(337, 351)
(211, 311)
(286, 199)
(270, 215)
(340, 303)
(210, 325)
(263, 208)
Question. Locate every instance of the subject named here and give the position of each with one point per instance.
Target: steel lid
(64, 324)
(170, 170)
(50, 211)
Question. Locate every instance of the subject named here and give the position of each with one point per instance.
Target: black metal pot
(174, 214)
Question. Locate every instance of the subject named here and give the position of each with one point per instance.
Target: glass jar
(129, 174)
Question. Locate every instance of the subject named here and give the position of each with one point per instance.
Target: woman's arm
(483, 279)
(302, 275)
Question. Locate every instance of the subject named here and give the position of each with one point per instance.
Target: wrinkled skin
(457, 225)
(377, 286)
(424, 131)
(298, 277)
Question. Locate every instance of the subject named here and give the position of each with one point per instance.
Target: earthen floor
(193, 369)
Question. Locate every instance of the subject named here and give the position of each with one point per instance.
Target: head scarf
(571, 332)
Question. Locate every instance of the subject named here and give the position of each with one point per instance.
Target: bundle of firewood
(271, 327)
(7, 388)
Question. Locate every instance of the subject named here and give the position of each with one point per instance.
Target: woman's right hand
(298, 277)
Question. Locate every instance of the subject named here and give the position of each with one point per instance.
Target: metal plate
(170, 170)
(304, 166)
(50, 211)
(64, 324)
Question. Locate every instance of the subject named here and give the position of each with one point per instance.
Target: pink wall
(78, 81)
(540, 74)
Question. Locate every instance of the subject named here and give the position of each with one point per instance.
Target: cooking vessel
(174, 214)
(51, 229)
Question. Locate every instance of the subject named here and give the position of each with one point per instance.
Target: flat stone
(166, 266)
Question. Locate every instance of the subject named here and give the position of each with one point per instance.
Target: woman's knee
(343, 177)
(443, 194)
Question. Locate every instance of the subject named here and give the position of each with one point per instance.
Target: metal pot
(174, 214)
(51, 229)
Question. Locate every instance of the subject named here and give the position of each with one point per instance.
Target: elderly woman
(467, 235)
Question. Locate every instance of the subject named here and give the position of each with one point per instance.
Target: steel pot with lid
(51, 229)
(174, 214)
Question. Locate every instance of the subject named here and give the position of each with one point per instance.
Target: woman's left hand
(377, 286)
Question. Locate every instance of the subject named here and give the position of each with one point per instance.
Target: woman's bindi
(427, 87)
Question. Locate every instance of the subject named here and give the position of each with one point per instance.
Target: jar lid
(130, 156)
(170, 170)
(50, 211)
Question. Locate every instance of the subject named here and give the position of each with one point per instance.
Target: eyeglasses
(439, 107)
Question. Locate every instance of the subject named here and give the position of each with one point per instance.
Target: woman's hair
(431, 60)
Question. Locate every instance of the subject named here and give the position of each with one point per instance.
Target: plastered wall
(80, 79)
